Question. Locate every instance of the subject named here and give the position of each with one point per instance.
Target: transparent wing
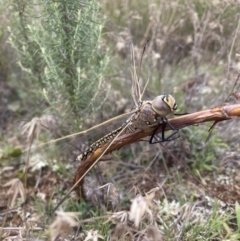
(68, 147)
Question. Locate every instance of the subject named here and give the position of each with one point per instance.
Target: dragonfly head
(164, 105)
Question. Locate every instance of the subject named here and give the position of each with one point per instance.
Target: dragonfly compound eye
(164, 105)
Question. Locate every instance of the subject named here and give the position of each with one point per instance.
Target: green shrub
(59, 52)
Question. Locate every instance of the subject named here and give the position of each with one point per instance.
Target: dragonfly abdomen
(142, 119)
(99, 143)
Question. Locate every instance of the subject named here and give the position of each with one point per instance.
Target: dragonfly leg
(163, 124)
(156, 138)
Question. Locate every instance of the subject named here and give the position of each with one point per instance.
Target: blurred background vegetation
(61, 60)
(68, 64)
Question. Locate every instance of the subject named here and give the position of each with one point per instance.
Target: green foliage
(9, 152)
(58, 46)
(197, 222)
(237, 209)
(82, 207)
(204, 150)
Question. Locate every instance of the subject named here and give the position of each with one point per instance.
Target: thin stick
(140, 65)
(89, 168)
(232, 90)
(232, 45)
(144, 89)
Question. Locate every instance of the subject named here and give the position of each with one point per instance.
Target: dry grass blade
(140, 206)
(63, 224)
(93, 235)
(154, 234)
(120, 231)
(15, 187)
(136, 91)
(135, 82)
(32, 127)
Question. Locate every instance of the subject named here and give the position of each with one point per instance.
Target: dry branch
(216, 115)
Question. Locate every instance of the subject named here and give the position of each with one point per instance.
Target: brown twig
(216, 114)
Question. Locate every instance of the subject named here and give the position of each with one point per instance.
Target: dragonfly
(145, 114)
(148, 114)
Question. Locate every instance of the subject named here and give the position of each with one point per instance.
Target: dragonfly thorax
(164, 105)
